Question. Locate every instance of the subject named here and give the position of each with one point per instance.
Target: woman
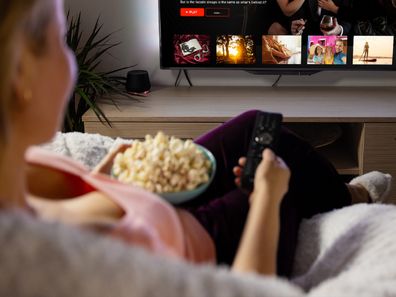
(328, 56)
(366, 51)
(318, 55)
(35, 83)
(340, 58)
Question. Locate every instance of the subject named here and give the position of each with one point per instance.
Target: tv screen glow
(278, 34)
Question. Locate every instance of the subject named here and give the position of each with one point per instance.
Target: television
(278, 36)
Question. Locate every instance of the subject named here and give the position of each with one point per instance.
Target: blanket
(346, 252)
(40, 259)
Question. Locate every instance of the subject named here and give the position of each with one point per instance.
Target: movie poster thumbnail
(235, 49)
(191, 49)
(327, 50)
(281, 49)
(373, 50)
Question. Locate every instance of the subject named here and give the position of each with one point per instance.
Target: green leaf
(91, 84)
(98, 54)
(119, 69)
(92, 104)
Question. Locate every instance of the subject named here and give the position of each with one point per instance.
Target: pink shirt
(149, 221)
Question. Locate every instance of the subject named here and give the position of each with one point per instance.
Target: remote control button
(264, 138)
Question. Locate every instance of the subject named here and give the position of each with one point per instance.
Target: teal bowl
(184, 196)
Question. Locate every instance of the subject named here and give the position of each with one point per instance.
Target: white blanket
(347, 252)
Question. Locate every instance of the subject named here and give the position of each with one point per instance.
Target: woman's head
(37, 70)
(329, 50)
(339, 46)
(318, 50)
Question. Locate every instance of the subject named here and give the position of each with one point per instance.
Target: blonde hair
(19, 19)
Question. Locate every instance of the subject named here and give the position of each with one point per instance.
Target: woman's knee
(292, 148)
(251, 113)
(244, 120)
(277, 29)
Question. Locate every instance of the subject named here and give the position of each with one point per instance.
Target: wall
(136, 23)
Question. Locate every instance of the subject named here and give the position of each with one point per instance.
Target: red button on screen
(192, 12)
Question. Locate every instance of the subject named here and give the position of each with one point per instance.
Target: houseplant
(91, 83)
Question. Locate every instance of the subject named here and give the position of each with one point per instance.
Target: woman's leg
(315, 187)
(227, 143)
(277, 29)
(223, 208)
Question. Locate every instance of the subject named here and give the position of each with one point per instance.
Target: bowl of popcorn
(177, 170)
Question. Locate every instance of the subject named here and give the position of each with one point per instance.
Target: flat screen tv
(278, 35)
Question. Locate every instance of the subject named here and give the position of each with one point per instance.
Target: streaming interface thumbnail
(281, 49)
(191, 49)
(373, 50)
(327, 50)
(235, 49)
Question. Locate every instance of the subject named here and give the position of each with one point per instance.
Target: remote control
(265, 134)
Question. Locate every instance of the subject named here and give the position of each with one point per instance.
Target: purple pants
(314, 187)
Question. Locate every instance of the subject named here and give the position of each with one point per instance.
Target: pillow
(86, 148)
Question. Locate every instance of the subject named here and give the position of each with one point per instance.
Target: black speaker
(138, 81)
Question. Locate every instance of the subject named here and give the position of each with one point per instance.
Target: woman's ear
(22, 78)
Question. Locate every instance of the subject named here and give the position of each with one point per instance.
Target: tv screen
(278, 34)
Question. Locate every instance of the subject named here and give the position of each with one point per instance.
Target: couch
(346, 252)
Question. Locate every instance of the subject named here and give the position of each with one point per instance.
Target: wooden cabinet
(140, 130)
(379, 150)
(367, 117)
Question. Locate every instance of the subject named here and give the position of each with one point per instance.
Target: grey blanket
(50, 260)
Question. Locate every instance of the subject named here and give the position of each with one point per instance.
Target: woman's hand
(337, 30)
(238, 170)
(297, 27)
(106, 163)
(328, 5)
(272, 177)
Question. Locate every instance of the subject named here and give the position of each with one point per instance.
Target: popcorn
(162, 164)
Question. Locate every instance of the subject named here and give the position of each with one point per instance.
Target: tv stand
(179, 77)
(367, 117)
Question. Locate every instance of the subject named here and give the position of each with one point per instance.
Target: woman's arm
(276, 49)
(93, 209)
(290, 8)
(259, 243)
(258, 248)
(51, 183)
(328, 5)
